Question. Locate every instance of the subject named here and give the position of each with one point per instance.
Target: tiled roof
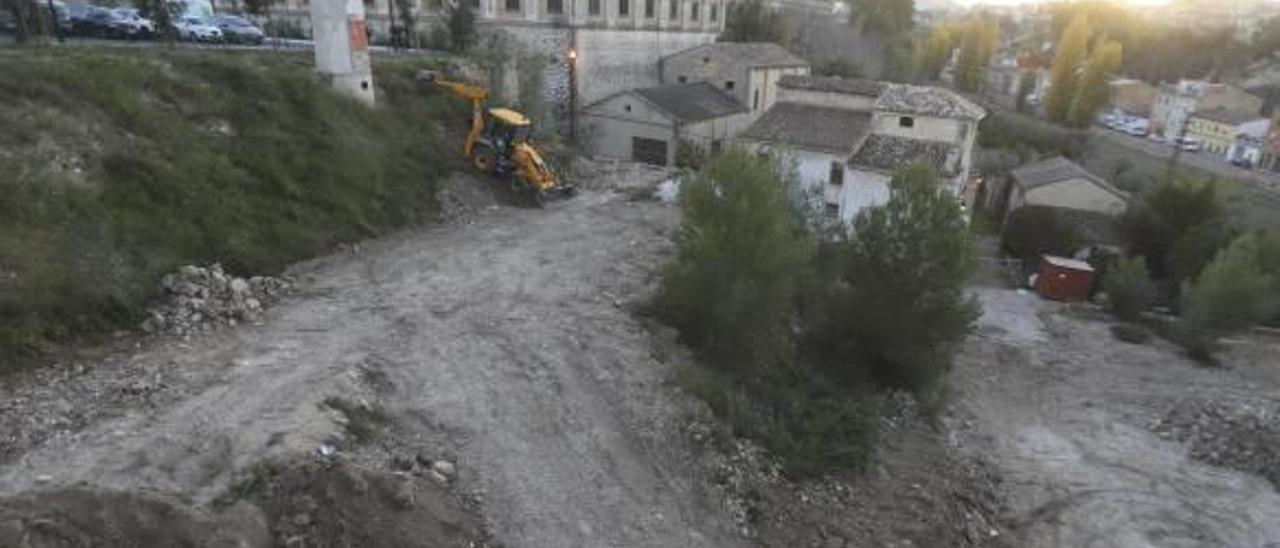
(811, 127)
(692, 102)
(833, 84)
(928, 101)
(758, 54)
(1055, 170)
(887, 153)
(1227, 116)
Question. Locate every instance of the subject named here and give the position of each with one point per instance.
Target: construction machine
(498, 142)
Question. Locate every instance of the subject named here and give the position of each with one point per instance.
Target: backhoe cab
(498, 143)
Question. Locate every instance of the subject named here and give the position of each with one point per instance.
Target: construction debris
(199, 299)
(1241, 436)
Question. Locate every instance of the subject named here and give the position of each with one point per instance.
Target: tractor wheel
(539, 197)
(483, 158)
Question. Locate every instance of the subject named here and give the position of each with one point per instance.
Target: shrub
(1177, 226)
(1233, 293)
(893, 302)
(1130, 289)
(1032, 231)
(741, 256)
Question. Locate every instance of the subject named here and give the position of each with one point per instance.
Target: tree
(890, 21)
(162, 13)
(1130, 289)
(1233, 293)
(26, 18)
(752, 21)
(932, 54)
(407, 11)
(1033, 231)
(979, 40)
(1067, 57)
(1166, 223)
(740, 257)
(894, 303)
(1026, 86)
(462, 26)
(1092, 91)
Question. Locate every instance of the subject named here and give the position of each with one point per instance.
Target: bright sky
(1012, 2)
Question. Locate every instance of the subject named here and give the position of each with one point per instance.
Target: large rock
(198, 299)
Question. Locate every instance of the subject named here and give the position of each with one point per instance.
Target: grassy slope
(118, 166)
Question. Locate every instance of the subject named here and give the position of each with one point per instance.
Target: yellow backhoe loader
(498, 143)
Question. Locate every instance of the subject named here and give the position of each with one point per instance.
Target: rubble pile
(199, 299)
(1236, 435)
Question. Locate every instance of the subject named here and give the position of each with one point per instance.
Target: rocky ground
(485, 383)
(1110, 444)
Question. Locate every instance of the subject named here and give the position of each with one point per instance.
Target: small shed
(1063, 279)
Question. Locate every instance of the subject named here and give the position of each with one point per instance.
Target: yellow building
(1217, 129)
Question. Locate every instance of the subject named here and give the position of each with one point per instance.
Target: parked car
(93, 21)
(238, 30)
(196, 29)
(128, 23)
(1188, 144)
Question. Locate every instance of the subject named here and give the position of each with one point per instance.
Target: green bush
(1130, 289)
(1032, 231)
(893, 302)
(189, 157)
(1232, 294)
(741, 258)
(1178, 226)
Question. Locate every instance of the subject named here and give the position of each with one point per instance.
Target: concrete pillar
(342, 46)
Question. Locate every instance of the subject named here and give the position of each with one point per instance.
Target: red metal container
(1063, 279)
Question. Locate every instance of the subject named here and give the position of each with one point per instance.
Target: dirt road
(1066, 414)
(504, 345)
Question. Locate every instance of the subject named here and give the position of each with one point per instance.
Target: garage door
(649, 151)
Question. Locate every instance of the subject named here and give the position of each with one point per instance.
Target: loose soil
(1070, 417)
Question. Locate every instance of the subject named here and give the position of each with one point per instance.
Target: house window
(648, 8)
(674, 9)
(833, 211)
(755, 100)
(626, 107)
(836, 177)
(624, 7)
(475, 4)
(593, 7)
(714, 11)
(513, 6)
(682, 79)
(906, 121)
(716, 145)
(555, 6)
(693, 11)
(728, 85)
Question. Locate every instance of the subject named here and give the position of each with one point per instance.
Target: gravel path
(1066, 413)
(506, 341)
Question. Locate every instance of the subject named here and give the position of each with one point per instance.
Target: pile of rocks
(199, 299)
(1241, 436)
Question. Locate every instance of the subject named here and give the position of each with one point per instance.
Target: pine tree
(462, 26)
(1232, 294)
(1092, 90)
(752, 21)
(1070, 53)
(932, 54)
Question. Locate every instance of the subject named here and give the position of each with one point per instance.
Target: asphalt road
(1204, 161)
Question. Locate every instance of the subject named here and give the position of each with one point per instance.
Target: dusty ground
(1067, 414)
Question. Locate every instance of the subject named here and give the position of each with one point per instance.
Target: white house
(848, 136)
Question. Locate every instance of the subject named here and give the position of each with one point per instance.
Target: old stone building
(847, 137)
(747, 71)
(651, 125)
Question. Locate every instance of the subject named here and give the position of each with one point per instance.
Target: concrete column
(342, 46)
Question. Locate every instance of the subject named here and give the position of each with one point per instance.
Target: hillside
(119, 166)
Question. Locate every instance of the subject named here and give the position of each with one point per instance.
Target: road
(507, 342)
(1203, 161)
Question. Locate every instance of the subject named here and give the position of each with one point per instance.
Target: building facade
(747, 71)
(655, 125)
(1175, 104)
(1219, 129)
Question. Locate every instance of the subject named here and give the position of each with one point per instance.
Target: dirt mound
(84, 518)
(1236, 435)
(198, 299)
(918, 492)
(463, 196)
(322, 503)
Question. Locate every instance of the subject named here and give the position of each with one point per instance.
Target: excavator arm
(476, 94)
